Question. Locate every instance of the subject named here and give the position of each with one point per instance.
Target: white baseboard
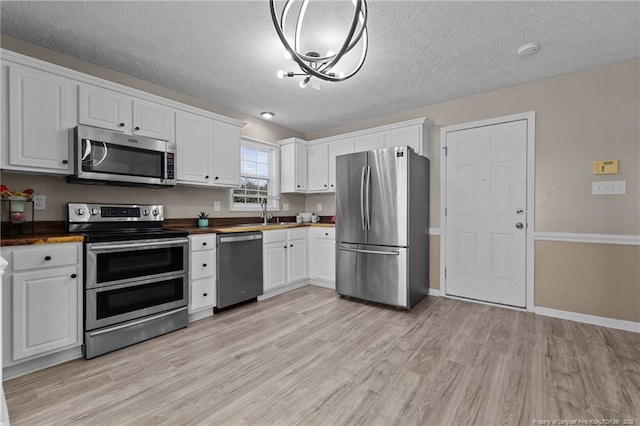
(572, 237)
(283, 289)
(198, 315)
(589, 319)
(434, 292)
(323, 283)
(41, 363)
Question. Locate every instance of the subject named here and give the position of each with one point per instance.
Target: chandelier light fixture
(312, 63)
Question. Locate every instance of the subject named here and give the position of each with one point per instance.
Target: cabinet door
(323, 260)
(226, 154)
(45, 311)
(203, 294)
(152, 120)
(274, 265)
(301, 168)
(369, 142)
(41, 113)
(104, 108)
(406, 136)
(318, 167)
(297, 260)
(193, 139)
(339, 147)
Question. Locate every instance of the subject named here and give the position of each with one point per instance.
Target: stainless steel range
(136, 282)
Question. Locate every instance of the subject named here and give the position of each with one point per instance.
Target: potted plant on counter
(203, 220)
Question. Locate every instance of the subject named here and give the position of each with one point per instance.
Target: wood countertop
(30, 239)
(228, 229)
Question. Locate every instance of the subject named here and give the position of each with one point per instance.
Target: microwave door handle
(362, 206)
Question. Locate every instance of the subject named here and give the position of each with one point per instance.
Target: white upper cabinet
(318, 167)
(113, 110)
(193, 141)
(369, 142)
(293, 166)
(336, 148)
(411, 136)
(208, 151)
(226, 155)
(39, 114)
(152, 120)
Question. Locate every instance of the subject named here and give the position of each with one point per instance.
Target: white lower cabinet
(42, 301)
(202, 272)
(322, 255)
(284, 257)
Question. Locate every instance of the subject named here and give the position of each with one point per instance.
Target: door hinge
(445, 272)
(446, 151)
(445, 212)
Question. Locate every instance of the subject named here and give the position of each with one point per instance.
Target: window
(258, 177)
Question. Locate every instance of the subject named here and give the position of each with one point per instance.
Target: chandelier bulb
(287, 55)
(303, 83)
(281, 74)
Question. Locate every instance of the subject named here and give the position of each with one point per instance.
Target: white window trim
(274, 180)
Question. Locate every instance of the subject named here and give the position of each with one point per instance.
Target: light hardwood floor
(309, 357)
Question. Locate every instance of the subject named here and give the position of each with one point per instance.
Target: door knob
(519, 225)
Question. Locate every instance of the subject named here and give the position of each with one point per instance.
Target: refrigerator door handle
(362, 205)
(391, 253)
(367, 189)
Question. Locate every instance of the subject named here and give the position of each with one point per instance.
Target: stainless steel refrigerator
(382, 226)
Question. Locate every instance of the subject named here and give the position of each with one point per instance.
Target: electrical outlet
(319, 207)
(285, 207)
(216, 206)
(39, 202)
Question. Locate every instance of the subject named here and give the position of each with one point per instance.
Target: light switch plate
(216, 206)
(319, 207)
(285, 207)
(612, 187)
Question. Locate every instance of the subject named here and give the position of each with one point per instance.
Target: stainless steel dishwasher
(239, 267)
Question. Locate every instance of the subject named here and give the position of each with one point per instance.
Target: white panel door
(193, 141)
(40, 116)
(45, 311)
(152, 120)
(486, 218)
(226, 155)
(318, 167)
(104, 108)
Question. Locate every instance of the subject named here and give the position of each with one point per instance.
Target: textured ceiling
(421, 52)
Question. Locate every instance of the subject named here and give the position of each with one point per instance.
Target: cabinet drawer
(203, 242)
(203, 293)
(203, 264)
(45, 256)
(274, 236)
(324, 233)
(296, 233)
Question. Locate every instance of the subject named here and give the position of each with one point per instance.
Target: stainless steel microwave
(106, 157)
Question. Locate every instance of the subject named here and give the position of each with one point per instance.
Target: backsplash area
(180, 201)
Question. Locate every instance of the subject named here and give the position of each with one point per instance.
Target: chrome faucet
(265, 216)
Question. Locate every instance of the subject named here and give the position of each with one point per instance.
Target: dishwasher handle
(240, 238)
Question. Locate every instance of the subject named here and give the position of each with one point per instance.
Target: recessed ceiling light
(528, 49)
(267, 115)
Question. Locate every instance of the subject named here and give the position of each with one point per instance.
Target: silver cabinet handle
(241, 238)
(138, 245)
(390, 253)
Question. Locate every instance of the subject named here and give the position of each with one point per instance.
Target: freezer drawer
(374, 273)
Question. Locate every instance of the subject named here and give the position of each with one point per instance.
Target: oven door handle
(138, 245)
(140, 321)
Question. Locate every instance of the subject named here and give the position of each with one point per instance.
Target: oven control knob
(155, 212)
(145, 212)
(80, 211)
(94, 212)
